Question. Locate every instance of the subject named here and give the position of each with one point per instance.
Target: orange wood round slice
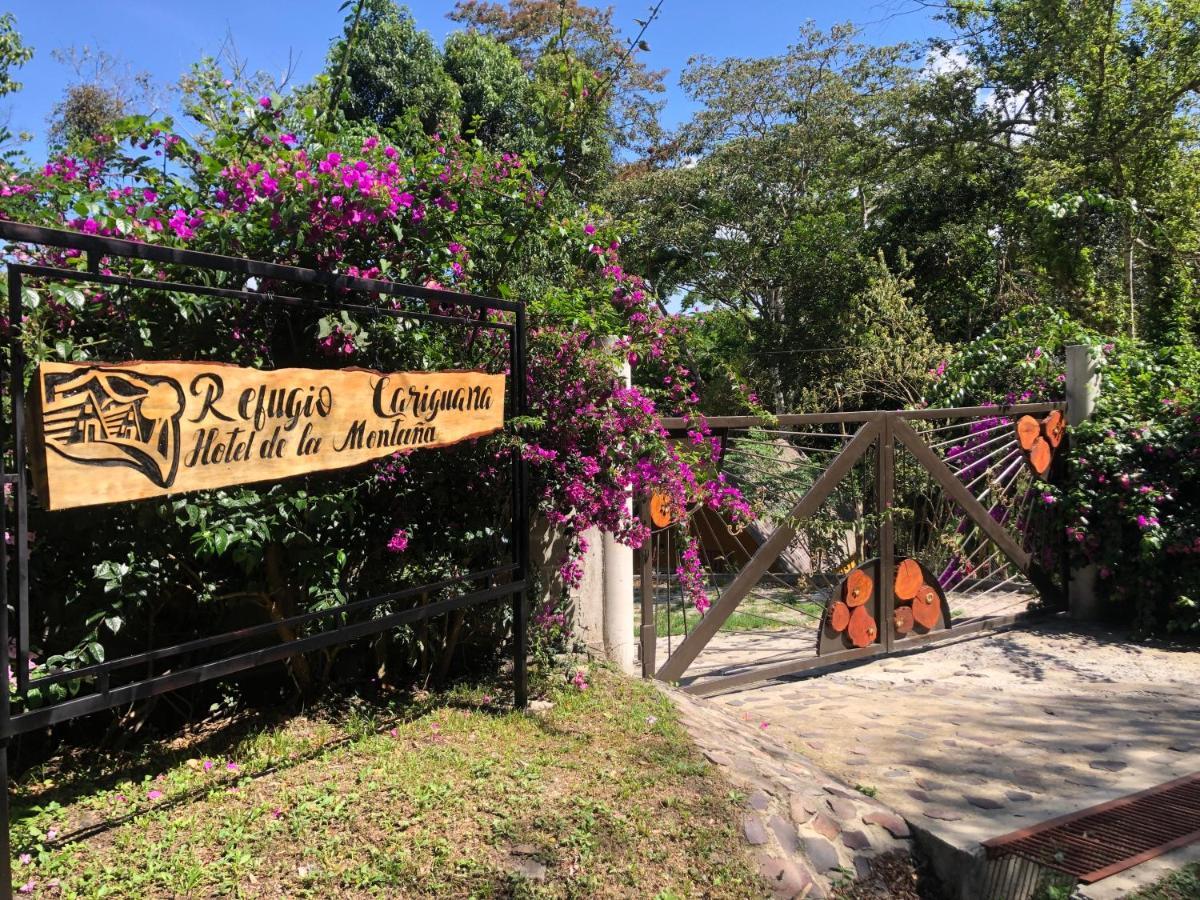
(1029, 430)
(839, 616)
(857, 590)
(1039, 455)
(908, 579)
(863, 629)
(927, 606)
(903, 620)
(660, 510)
(1053, 426)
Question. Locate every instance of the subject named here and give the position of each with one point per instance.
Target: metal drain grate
(1102, 840)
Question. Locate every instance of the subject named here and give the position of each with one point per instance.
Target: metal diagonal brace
(975, 511)
(767, 553)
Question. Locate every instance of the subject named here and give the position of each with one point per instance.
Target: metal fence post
(1083, 389)
(649, 633)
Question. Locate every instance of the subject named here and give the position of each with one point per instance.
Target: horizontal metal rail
(108, 246)
(231, 665)
(202, 290)
(240, 634)
(676, 423)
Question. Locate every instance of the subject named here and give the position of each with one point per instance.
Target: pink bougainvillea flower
(153, 795)
(25, 859)
(580, 680)
(27, 887)
(232, 766)
(51, 834)
(399, 541)
(277, 813)
(208, 764)
(395, 732)
(589, 229)
(264, 102)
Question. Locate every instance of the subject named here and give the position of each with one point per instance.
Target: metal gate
(883, 531)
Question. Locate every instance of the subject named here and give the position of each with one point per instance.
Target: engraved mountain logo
(111, 417)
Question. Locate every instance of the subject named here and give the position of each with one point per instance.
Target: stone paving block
(821, 853)
(856, 840)
(758, 800)
(784, 879)
(843, 809)
(825, 826)
(895, 825)
(753, 830)
(982, 802)
(785, 833)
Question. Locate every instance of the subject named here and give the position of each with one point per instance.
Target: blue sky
(164, 37)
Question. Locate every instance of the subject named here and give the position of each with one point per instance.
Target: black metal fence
(130, 678)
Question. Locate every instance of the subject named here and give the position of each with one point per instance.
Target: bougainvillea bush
(266, 182)
(1128, 501)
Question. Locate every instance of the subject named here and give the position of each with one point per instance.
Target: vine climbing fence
(880, 532)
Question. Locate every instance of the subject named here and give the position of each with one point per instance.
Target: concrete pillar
(1083, 383)
(1083, 389)
(589, 596)
(619, 634)
(604, 600)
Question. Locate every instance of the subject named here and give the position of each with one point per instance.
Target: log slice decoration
(1029, 430)
(862, 631)
(908, 578)
(927, 611)
(839, 616)
(1040, 455)
(855, 594)
(927, 606)
(1054, 426)
(660, 510)
(857, 588)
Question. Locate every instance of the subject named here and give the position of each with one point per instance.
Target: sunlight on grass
(452, 797)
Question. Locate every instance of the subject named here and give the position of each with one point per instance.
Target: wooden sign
(103, 433)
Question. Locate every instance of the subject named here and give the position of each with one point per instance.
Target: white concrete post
(619, 635)
(1083, 383)
(1083, 388)
(603, 602)
(589, 596)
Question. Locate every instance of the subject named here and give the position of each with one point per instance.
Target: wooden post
(885, 489)
(1083, 389)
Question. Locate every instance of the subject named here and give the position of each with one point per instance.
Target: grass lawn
(452, 796)
(769, 607)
